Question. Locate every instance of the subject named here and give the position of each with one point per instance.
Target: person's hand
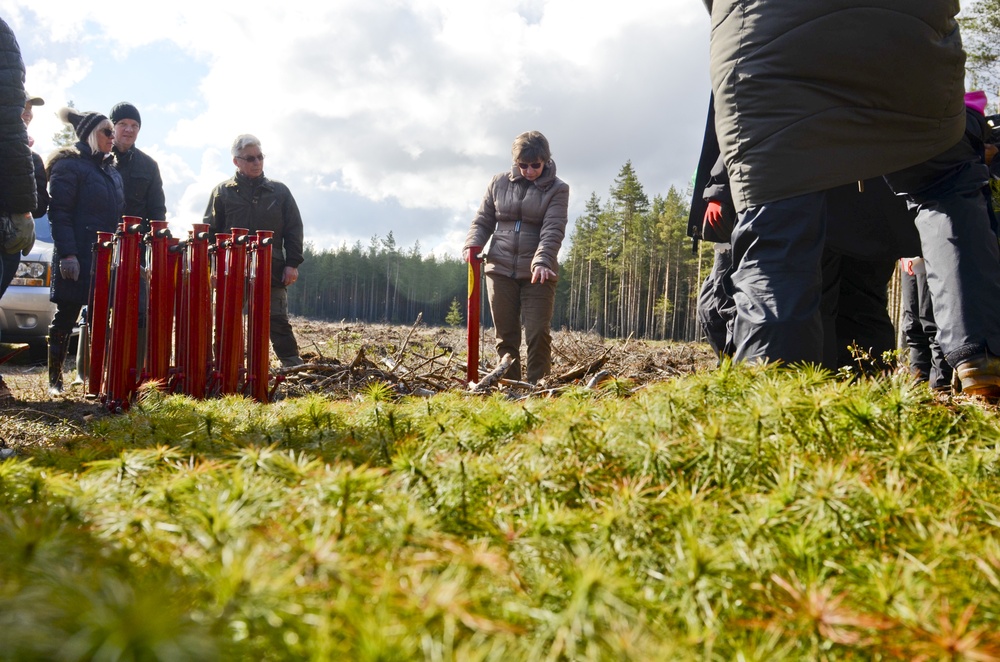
(713, 216)
(289, 276)
(991, 153)
(541, 274)
(911, 265)
(465, 255)
(24, 234)
(69, 267)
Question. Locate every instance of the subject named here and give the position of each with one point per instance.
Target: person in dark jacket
(521, 223)
(11, 261)
(41, 179)
(798, 113)
(140, 173)
(919, 329)
(144, 199)
(252, 201)
(17, 184)
(87, 197)
(868, 229)
(716, 309)
(711, 219)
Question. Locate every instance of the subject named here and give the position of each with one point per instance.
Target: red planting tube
(220, 273)
(474, 304)
(175, 265)
(198, 330)
(98, 308)
(231, 339)
(183, 325)
(160, 316)
(259, 316)
(121, 378)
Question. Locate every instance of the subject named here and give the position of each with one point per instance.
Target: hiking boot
(980, 376)
(6, 397)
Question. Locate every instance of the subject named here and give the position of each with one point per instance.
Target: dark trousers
(715, 308)
(959, 248)
(514, 301)
(855, 311)
(6, 273)
(927, 362)
(66, 317)
(777, 282)
(282, 338)
(8, 267)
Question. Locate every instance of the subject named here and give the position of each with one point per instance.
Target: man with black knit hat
(143, 191)
(140, 173)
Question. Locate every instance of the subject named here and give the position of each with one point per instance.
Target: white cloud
(397, 107)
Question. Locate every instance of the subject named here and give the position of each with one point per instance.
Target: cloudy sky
(382, 115)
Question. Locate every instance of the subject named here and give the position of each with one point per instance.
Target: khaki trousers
(514, 302)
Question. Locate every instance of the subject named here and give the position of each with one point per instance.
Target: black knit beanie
(83, 123)
(123, 110)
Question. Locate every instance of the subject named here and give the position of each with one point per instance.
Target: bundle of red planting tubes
(202, 325)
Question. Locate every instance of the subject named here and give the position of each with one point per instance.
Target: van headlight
(31, 274)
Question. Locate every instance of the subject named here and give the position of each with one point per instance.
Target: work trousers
(776, 282)
(777, 250)
(855, 311)
(8, 267)
(927, 362)
(514, 301)
(959, 247)
(715, 307)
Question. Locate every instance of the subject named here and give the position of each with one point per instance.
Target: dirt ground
(342, 358)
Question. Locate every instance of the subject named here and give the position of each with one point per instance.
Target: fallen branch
(581, 371)
(494, 376)
(406, 340)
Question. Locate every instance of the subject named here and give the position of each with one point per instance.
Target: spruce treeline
(377, 283)
(627, 270)
(630, 270)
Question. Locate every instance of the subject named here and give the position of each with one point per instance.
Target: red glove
(713, 215)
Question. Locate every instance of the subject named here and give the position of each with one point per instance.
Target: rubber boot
(83, 355)
(58, 348)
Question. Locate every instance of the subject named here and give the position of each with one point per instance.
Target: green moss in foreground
(753, 514)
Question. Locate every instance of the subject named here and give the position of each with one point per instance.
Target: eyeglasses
(107, 132)
(251, 159)
(532, 166)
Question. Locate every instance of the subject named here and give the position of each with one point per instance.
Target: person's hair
(242, 142)
(92, 138)
(531, 147)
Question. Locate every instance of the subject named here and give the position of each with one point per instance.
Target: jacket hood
(78, 151)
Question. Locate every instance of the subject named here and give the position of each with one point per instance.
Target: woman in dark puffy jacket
(521, 222)
(87, 197)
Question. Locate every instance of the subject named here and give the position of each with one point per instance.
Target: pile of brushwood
(421, 361)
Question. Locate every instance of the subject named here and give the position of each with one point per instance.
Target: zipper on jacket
(517, 247)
